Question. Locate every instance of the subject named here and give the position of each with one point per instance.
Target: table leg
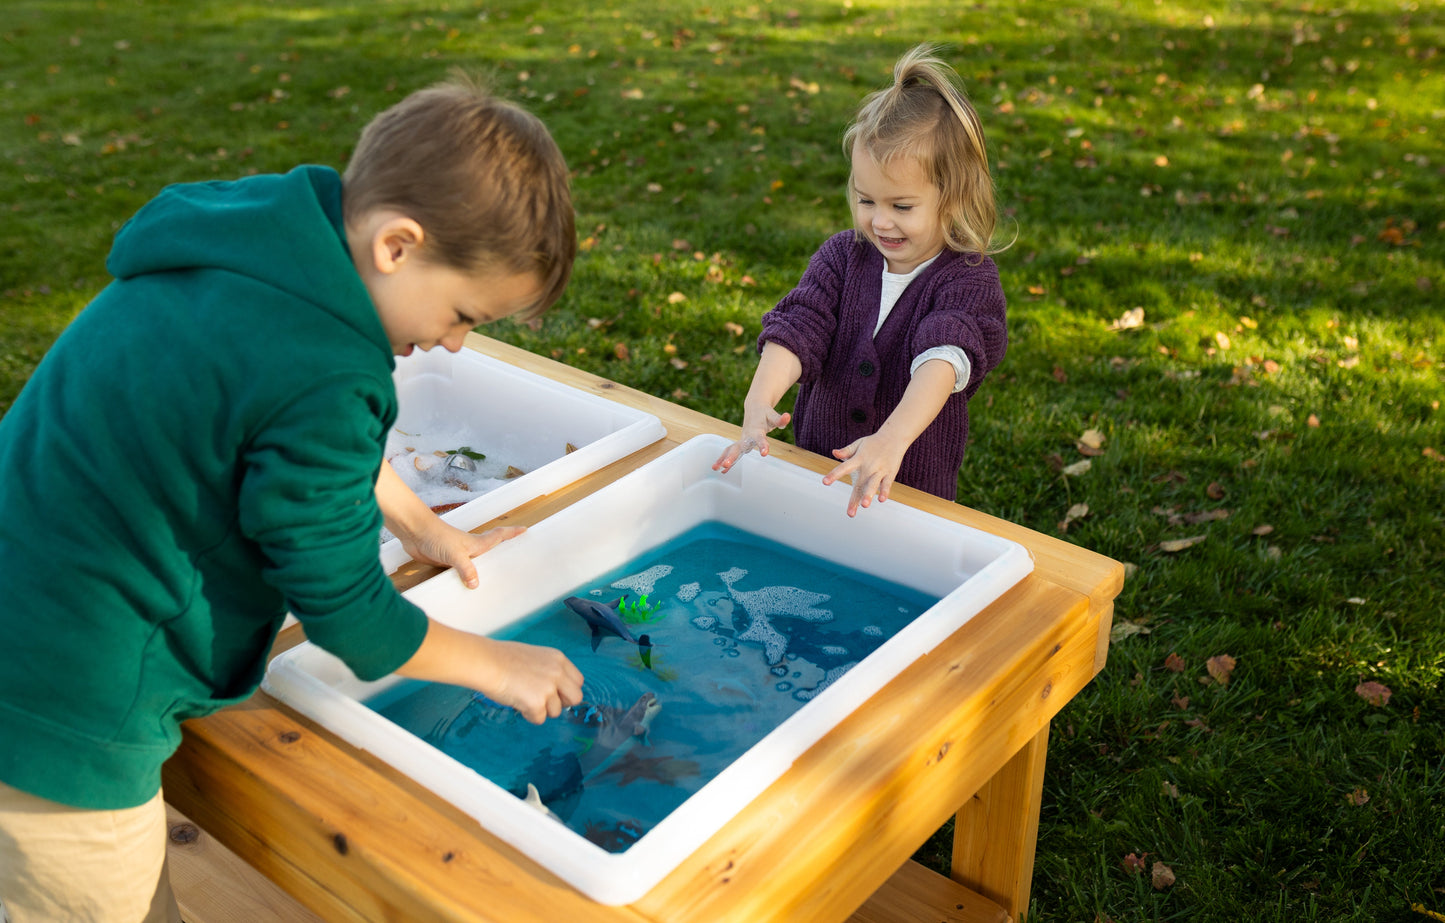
(996, 831)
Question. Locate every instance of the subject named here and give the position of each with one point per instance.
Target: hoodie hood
(281, 230)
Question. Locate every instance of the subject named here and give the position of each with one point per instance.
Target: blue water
(745, 632)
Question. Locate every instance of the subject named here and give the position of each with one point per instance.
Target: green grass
(1262, 179)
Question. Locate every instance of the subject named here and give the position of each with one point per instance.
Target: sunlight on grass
(1262, 180)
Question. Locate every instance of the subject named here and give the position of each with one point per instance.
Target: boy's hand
(873, 463)
(537, 681)
(443, 544)
(756, 426)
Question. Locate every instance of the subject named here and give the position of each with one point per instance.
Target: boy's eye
(904, 208)
(865, 201)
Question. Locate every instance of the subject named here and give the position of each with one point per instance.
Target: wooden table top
(355, 840)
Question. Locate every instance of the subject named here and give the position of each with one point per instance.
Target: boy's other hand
(444, 545)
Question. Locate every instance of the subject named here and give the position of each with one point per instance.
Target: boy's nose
(453, 342)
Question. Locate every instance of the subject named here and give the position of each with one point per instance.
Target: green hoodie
(195, 455)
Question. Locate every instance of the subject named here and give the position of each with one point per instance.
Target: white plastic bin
(516, 418)
(966, 568)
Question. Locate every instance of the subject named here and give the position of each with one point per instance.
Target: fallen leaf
(1264, 529)
(676, 298)
(1174, 664)
(1222, 339)
(1179, 544)
(1124, 628)
(1180, 702)
(1133, 864)
(1377, 694)
(622, 352)
(1161, 876)
(733, 328)
(1134, 317)
(1358, 797)
(1076, 512)
(1090, 443)
(1078, 467)
(1171, 790)
(1220, 667)
(1195, 519)
(1215, 491)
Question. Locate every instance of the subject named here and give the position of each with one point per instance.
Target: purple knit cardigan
(852, 380)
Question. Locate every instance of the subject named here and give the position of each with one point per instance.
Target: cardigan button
(865, 368)
(858, 416)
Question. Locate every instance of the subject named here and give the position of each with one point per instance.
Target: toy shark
(617, 730)
(604, 618)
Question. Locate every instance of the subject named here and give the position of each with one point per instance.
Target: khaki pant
(60, 864)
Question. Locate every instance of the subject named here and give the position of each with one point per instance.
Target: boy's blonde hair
(481, 176)
(925, 116)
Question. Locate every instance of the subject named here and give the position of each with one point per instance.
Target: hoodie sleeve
(307, 499)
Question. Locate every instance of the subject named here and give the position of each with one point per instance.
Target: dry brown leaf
(1076, 512)
(734, 328)
(1161, 876)
(1358, 797)
(1174, 663)
(1179, 544)
(1377, 694)
(1195, 519)
(1220, 667)
(1133, 864)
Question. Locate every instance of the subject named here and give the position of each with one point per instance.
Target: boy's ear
(395, 241)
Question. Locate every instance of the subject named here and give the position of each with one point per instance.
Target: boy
(199, 452)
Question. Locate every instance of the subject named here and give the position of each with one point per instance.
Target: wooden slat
(916, 894)
(214, 885)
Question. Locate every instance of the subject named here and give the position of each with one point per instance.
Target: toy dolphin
(604, 618)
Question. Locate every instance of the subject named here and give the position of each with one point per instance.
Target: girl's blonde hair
(925, 116)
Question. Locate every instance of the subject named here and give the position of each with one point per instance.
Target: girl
(895, 323)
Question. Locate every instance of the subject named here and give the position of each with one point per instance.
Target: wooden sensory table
(963, 732)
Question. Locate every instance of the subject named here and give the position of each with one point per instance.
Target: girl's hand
(443, 544)
(756, 426)
(873, 464)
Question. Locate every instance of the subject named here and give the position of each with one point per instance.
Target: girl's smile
(897, 209)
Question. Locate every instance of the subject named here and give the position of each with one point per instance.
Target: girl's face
(897, 210)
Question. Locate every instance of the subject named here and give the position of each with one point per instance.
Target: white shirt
(893, 286)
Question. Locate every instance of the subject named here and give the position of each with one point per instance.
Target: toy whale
(605, 619)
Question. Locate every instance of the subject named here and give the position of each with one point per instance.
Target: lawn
(1226, 364)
